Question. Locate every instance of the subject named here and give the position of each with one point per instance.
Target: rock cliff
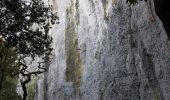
(107, 50)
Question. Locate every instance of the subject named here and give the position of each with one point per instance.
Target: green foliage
(7, 68)
(9, 89)
(7, 60)
(19, 19)
(24, 32)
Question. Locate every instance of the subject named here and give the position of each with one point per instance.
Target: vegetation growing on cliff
(24, 34)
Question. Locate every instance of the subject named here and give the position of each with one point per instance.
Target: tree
(24, 29)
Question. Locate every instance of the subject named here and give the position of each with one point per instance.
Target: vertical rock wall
(107, 50)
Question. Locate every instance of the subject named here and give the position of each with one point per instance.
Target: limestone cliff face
(107, 50)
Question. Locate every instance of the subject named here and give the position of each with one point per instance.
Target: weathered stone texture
(107, 50)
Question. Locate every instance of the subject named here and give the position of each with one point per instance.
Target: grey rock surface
(107, 50)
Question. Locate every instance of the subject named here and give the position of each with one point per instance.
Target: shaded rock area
(107, 50)
(163, 11)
